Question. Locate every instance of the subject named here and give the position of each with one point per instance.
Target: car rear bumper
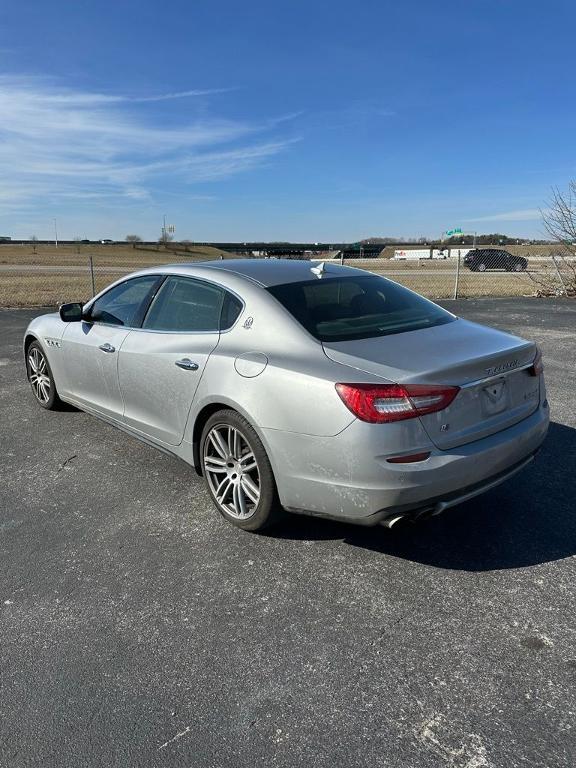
(348, 477)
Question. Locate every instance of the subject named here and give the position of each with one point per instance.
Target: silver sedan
(317, 389)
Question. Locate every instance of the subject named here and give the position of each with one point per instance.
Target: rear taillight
(383, 403)
(537, 366)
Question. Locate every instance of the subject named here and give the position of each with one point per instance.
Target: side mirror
(71, 313)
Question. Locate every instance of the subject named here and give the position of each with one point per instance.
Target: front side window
(348, 308)
(121, 304)
(185, 305)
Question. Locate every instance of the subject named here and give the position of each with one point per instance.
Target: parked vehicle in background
(322, 389)
(481, 259)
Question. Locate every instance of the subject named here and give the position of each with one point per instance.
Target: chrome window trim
(195, 333)
(166, 275)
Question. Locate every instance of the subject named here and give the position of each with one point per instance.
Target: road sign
(450, 232)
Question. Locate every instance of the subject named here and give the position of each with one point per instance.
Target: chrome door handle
(107, 348)
(187, 364)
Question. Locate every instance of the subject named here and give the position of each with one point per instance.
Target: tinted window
(230, 311)
(120, 305)
(184, 304)
(357, 308)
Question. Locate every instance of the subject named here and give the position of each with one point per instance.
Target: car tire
(519, 267)
(238, 473)
(40, 377)
(481, 267)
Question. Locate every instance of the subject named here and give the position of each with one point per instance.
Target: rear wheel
(238, 473)
(481, 267)
(519, 267)
(40, 377)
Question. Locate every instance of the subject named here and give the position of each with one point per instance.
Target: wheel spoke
(248, 462)
(44, 389)
(42, 364)
(250, 489)
(32, 362)
(239, 501)
(236, 444)
(222, 490)
(219, 443)
(214, 464)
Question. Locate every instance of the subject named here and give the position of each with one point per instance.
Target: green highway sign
(450, 232)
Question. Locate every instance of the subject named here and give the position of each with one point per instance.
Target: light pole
(55, 235)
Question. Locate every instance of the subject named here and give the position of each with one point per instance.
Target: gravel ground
(137, 628)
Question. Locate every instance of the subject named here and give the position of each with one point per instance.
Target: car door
(91, 346)
(160, 364)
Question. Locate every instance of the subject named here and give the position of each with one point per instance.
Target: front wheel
(40, 377)
(481, 267)
(238, 473)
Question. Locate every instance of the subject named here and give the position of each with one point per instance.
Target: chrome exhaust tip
(390, 522)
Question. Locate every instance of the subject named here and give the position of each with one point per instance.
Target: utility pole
(55, 235)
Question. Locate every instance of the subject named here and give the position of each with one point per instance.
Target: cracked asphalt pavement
(137, 628)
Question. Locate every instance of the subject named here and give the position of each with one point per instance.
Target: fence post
(457, 281)
(91, 263)
(341, 258)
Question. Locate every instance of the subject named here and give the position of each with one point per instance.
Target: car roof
(268, 272)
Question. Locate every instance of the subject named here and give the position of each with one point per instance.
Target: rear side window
(230, 311)
(343, 309)
(185, 304)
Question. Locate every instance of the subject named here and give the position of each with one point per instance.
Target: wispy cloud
(59, 143)
(526, 214)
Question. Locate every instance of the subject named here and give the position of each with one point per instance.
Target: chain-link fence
(46, 276)
(469, 273)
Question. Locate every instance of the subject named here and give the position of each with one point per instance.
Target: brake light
(383, 403)
(537, 366)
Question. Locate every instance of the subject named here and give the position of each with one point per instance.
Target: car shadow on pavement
(530, 519)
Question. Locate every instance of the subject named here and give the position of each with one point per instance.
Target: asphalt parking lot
(137, 628)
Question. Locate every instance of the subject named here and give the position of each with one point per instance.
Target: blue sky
(286, 119)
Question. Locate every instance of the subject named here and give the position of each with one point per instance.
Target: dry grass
(27, 289)
(106, 255)
(33, 290)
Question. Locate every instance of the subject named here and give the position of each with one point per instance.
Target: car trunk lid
(490, 367)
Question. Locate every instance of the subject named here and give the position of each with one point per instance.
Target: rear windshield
(343, 309)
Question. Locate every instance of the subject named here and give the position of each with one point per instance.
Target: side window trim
(147, 302)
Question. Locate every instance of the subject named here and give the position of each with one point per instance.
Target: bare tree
(560, 222)
(165, 238)
(34, 241)
(133, 239)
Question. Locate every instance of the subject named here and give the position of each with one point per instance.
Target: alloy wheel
(38, 375)
(232, 471)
